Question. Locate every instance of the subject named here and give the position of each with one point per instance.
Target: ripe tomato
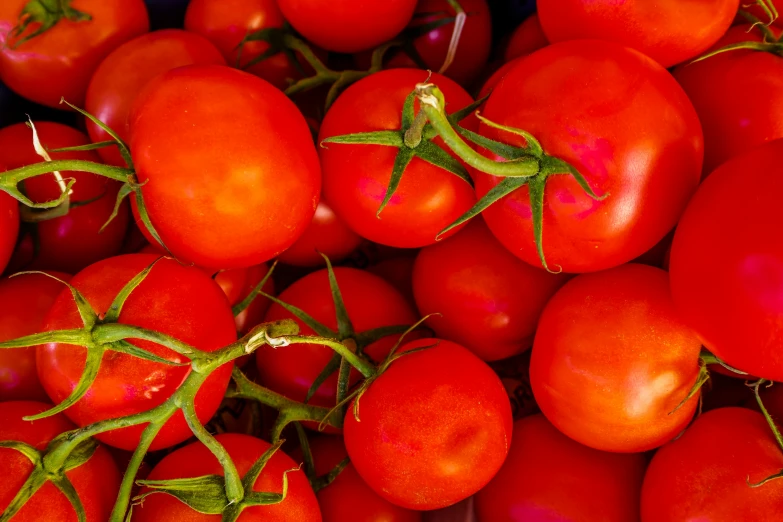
(705, 474)
(9, 226)
(612, 361)
(97, 481)
(174, 299)
(195, 460)
(237, 285)
(727, 267)
(398, 271)
(667, 31)
(433, 429)
(490, 300)
(129, 68)
(644, 154)
(427, 199)
(347, 26)
(223, 157)
(59, 63)
(548, 476)
(525, 39)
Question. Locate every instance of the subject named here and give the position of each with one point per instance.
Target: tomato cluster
(328, 260)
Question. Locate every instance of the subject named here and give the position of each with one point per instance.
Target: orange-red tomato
(525, 39)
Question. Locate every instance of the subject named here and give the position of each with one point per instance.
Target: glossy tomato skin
(664, 31)
(237, 284)
(525, 39)
(705, 474)
(612, 361)
(128, 69)
(195, 460)
(9, 226)
(643, 154)
(433, 429)
(489, 300)
(727, 267)
(59, 63)
(97, 481)
(224, 156)
(548, 476)
(174, 299)
(428, 198)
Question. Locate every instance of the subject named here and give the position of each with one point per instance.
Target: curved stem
(112, 332)
(366, 368)
(47, 167)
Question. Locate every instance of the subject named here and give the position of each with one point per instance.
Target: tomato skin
(548, 476)
(428, 198)
(435, 427)
(612, 361)
(669, 32)
(224, 156)
(174, 299)
(398, 271)
(9, 226)
(237, 285)
(602, 139)
(195, 460)
(490, 300)
(97, 481)
(727, 267)
(525, 39)
(704, 475)
(59, 63)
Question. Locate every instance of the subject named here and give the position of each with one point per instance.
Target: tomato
(433, 429)
(644, 154)
(223, 157)
(612, 361)
(548, 476)
(427, 199)
(490, 300)
(398, 271)
(736, 95)
(97, 481)
(705, 474)
(525, 39)
(727, 267)
(346, 26)
(9, 226)
(514, 373)
(174, 299)
(327, 234)
(129, 68)
(371, 303)
(59, 63)
(668, 31)
(71, 242)
(237, 285)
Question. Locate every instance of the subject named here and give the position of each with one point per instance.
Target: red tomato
(433, 429)
(705, 474)
(727, 267)
(668, 31)
(612, 361)
(174, 299)
(398, 271)
(496, 77)
(224, 157)
(737, 95)
(97, 481)
(237, 285)
(525, 39)
(755, 9)
(427, 199)
(59, 63)
(347, 26)
(549, 477)
(195, 460)
(644, 154)
(490, 301)
(371, 303)
(9, 226)
(327, 234)
(129, 68)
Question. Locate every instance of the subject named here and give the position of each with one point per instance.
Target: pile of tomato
(399, 261)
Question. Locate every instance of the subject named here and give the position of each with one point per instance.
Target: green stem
(112, 332)
(413, 134)
(46, 167)
(366, 368)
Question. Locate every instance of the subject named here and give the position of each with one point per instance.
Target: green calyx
(770, 44)
(45, 14)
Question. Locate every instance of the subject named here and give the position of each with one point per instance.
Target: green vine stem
(772, 426)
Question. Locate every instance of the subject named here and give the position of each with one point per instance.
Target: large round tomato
(195, 460)
(97, 481)
(129, 68)
(727, 263)
(9, 225)
(668, 31)
(525, 39)
(230, 173)
(643, 154)
(706, 473)
(177, 300)
(433, 429)
(548, 476)
(427, 199)
(612, 361)
(59, 63)
(489, 301)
